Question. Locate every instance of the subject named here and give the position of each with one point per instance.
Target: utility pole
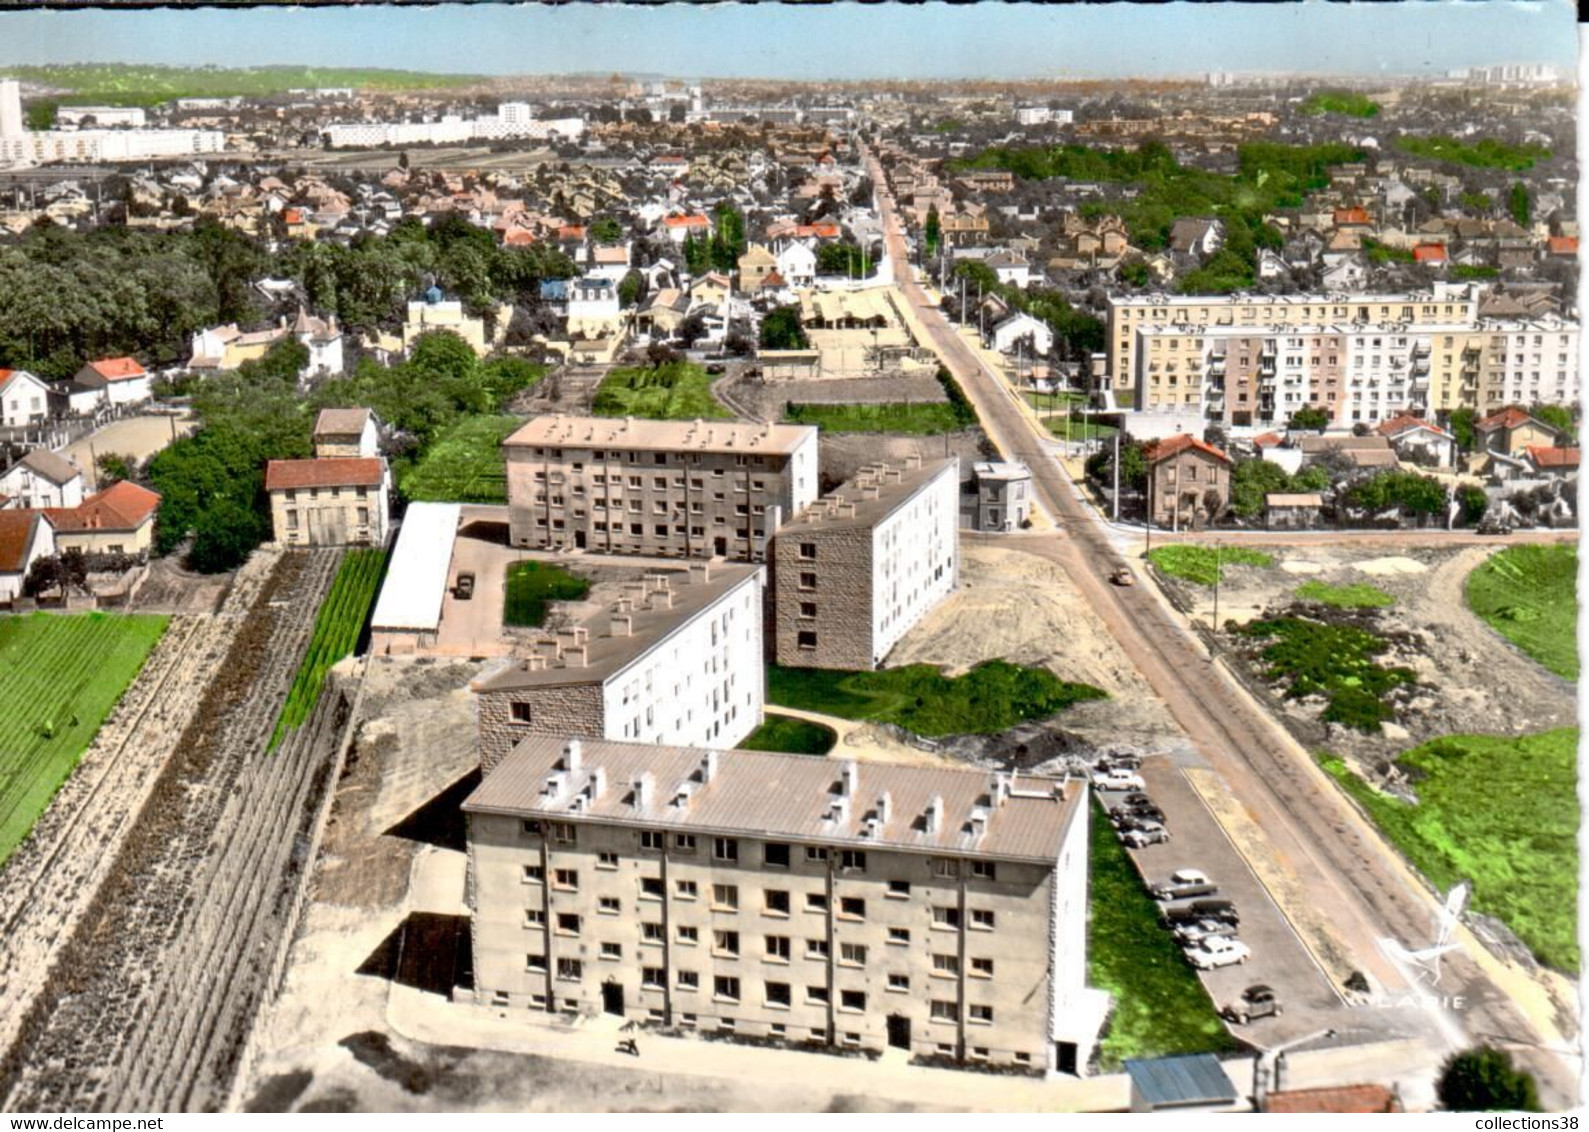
(1117, 479)
(1216, 589)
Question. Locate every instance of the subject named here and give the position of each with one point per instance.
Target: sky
(837, 41)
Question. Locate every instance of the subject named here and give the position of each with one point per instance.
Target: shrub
(1483, 1079)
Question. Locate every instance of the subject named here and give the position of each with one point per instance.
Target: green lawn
(1204, 564)
(1486, 153)
(992, 697)
(1160, 1006)
(531, 585)
(1341, 102)
(790, 735)
(1357, 596)
(60, 675)
(1528, 594)
(678, 391)
(123, 84)
(1064, 429)
(1339, 662)
(1501, 812)
(915, 418)
(464, 465)
(1056, 401)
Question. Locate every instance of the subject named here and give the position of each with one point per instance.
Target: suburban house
(346, 433)
(121, 381)
(1552, 463)
(1022, 328)
(228, 347)
(797, 263)
(70, 398)
(1512, 430)
(1002, 495)
(679, 228)
(1361, 452)
(676, 659)
(118, 520)
(1011, 267)
(25, 537)
(42, 479)
(1188, 481)
(435, 313)
(1197, 236)
(854, 572)
(661, 313)
(1410, 436)
(593, 308)
(24, 398)
(754, 266)
(859, 906)
(335, 501)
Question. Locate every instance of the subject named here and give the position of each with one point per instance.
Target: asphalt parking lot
(1308, 1002)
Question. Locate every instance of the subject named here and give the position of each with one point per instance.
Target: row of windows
(661, 459)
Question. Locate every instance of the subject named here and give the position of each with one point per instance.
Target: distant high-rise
(10, 108)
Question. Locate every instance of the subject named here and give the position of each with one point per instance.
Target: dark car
(464, 590)
(1136, 798)
(1137, 821)
(1257, 1001)
(1221, 910)
(1147, 813)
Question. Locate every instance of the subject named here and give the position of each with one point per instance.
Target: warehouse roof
(1168, 1082)
(417, 578)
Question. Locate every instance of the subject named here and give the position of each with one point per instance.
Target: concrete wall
(915, 559)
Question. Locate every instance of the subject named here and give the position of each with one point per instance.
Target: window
(653, 978)
(944, 1011)
(982, 919)
(651, 932)
(651, 887)
(806, 639)
(608, 905)
(945, 917)
(565, 878)
(778, 994)
(611, 951)
(778, 947)
(520, 712)
(651, 840)
(808, 580)
(808, 551)
(725, 897)
(816, 902)
(725, 849)
(606, 860)
(852, 954)
(725, 988)
(563, 832)
(568, 923)
(816, 853)
(816, 949)
(981, 1013)
(899, 982)
(852, 1000)
(945, 965)
(689, 980)
(982, 968)
(688, 934)
(899, 888)
(533, 874)
(685, 889)
(530, 828)
(570, 970)
(535, 963)
(817, 996)
(725, 943)
(852, 908)
(898, 935)
(534, 917)
(775, 855)
(852, 861)
(777, 902)
(684, 842)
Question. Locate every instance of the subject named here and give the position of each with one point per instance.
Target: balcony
(1420, 351)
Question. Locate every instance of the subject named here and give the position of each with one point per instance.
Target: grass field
(1357, 596)
(1528, 594)
(1204, 564)
(59, 678)
(1341, 102)
(790, 735)
(464, 465)
(1501, 812)
(992, 697)
(337, 628)
(1340, 662)
(927, 418)
(531, 585)
(1486, 153)
(1160, 1006)
(1065, 429)
(122, 84)
(678, 391)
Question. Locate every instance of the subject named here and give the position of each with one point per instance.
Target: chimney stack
(598, 783)
(885, 808)
(572, 756)
(620, 624)
(849, 778)
(935, 813)
(708, 767)
(641, 784)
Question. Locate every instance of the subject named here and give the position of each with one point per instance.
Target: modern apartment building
(677, 658)
(783, 897)
(852, 574)
(693, 489)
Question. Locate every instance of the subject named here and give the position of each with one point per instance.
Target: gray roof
(56, 469)
(1193, 1079)
(341, 422)
(876, 492)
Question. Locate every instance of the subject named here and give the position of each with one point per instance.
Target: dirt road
(138, 437)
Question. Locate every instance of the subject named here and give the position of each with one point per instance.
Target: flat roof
(766, 795)
(650, 622)
(876, 492)
(1196, 1078)
(416, 581)
(632, 433)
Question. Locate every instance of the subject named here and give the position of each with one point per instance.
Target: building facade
(328, 502)
(854, 573)
(671, 488)
(1188, 481)
(939, 911)
(678, 659)
(1003, 496)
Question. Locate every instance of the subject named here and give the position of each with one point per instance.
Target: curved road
(1363, 888)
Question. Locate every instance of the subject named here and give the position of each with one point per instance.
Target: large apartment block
(853, 573)
(694, 489)
(677, 659)
(782, 897)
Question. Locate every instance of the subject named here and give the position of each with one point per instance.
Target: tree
(606, 231)
(933, 232)
(632, 288)
(1558, 417)
(728, 237)
(1483, 1079)
(113, 467)
(1473, 502)
(223, 535)
(781, 330)
(1461, 425)
(1310, 417)
(1519, 204)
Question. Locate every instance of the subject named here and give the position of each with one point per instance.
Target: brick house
(1188, 481)
(335, 501)
(1512, 430)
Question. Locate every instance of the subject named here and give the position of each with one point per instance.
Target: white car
(1203, 930)
(1149, 833)
(1217, 951)
(1119, 780)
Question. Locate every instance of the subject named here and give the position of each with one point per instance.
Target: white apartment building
(11, 120)
(103, 116)
(41, 147)
(677, 659)
(512, 120)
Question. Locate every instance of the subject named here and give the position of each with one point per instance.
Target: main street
(1361, 885)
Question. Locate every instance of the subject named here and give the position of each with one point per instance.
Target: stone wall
(564, 710)
(842, 597)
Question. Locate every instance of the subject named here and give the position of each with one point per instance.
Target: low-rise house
(1552, 463)
(662, 312)
(1292, 511)
(118, 520)
(594, 309)
(42, 479)
(336, 501)
(754, 267)
(25, 537)
(1011, 267)
(24, 398)
(678, 228)
(797, 263)
(1022, 328)
(1432, 255)
(1411, 436)
(1512, 431)
(1197, 236)
(1361, 452)
(347, 433)
(70, 398)
(1188, 481)
(1002, 496)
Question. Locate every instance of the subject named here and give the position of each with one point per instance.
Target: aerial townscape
(702, 559)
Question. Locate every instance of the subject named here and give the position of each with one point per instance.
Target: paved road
(1367, 891)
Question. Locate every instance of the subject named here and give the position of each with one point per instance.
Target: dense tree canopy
(781, 330)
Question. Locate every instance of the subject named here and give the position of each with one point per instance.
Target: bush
(1334, 661)
(1483, 1079)
(1204, 565)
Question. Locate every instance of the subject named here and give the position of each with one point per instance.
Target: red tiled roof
(16, 535)
(1429, 253)
(1351, 216)
(121, 507)
(1511, 417)
(517, 237)
(292, 216)
(1404, 422)
(1553, 457)
(1170, 445)
(1340, 1098)
(336, 471)
(1268, 440)
(571, 232)
(1562, 245)
(687, 221)
(773, 279)
(118, 369)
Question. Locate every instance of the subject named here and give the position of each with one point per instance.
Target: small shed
(408, 610)
(1292, 511)
(1191, 1083)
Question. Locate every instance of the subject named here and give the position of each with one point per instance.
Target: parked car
(464, 589)
(1199, 930)
(1185, 884)
(1123, 577)
(1257, 1001)
(1217, 951)
(1152, 813)
(1222, 910)
(1147, 833)
(1118, 780)
(1117, 762)
(1136, 798)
